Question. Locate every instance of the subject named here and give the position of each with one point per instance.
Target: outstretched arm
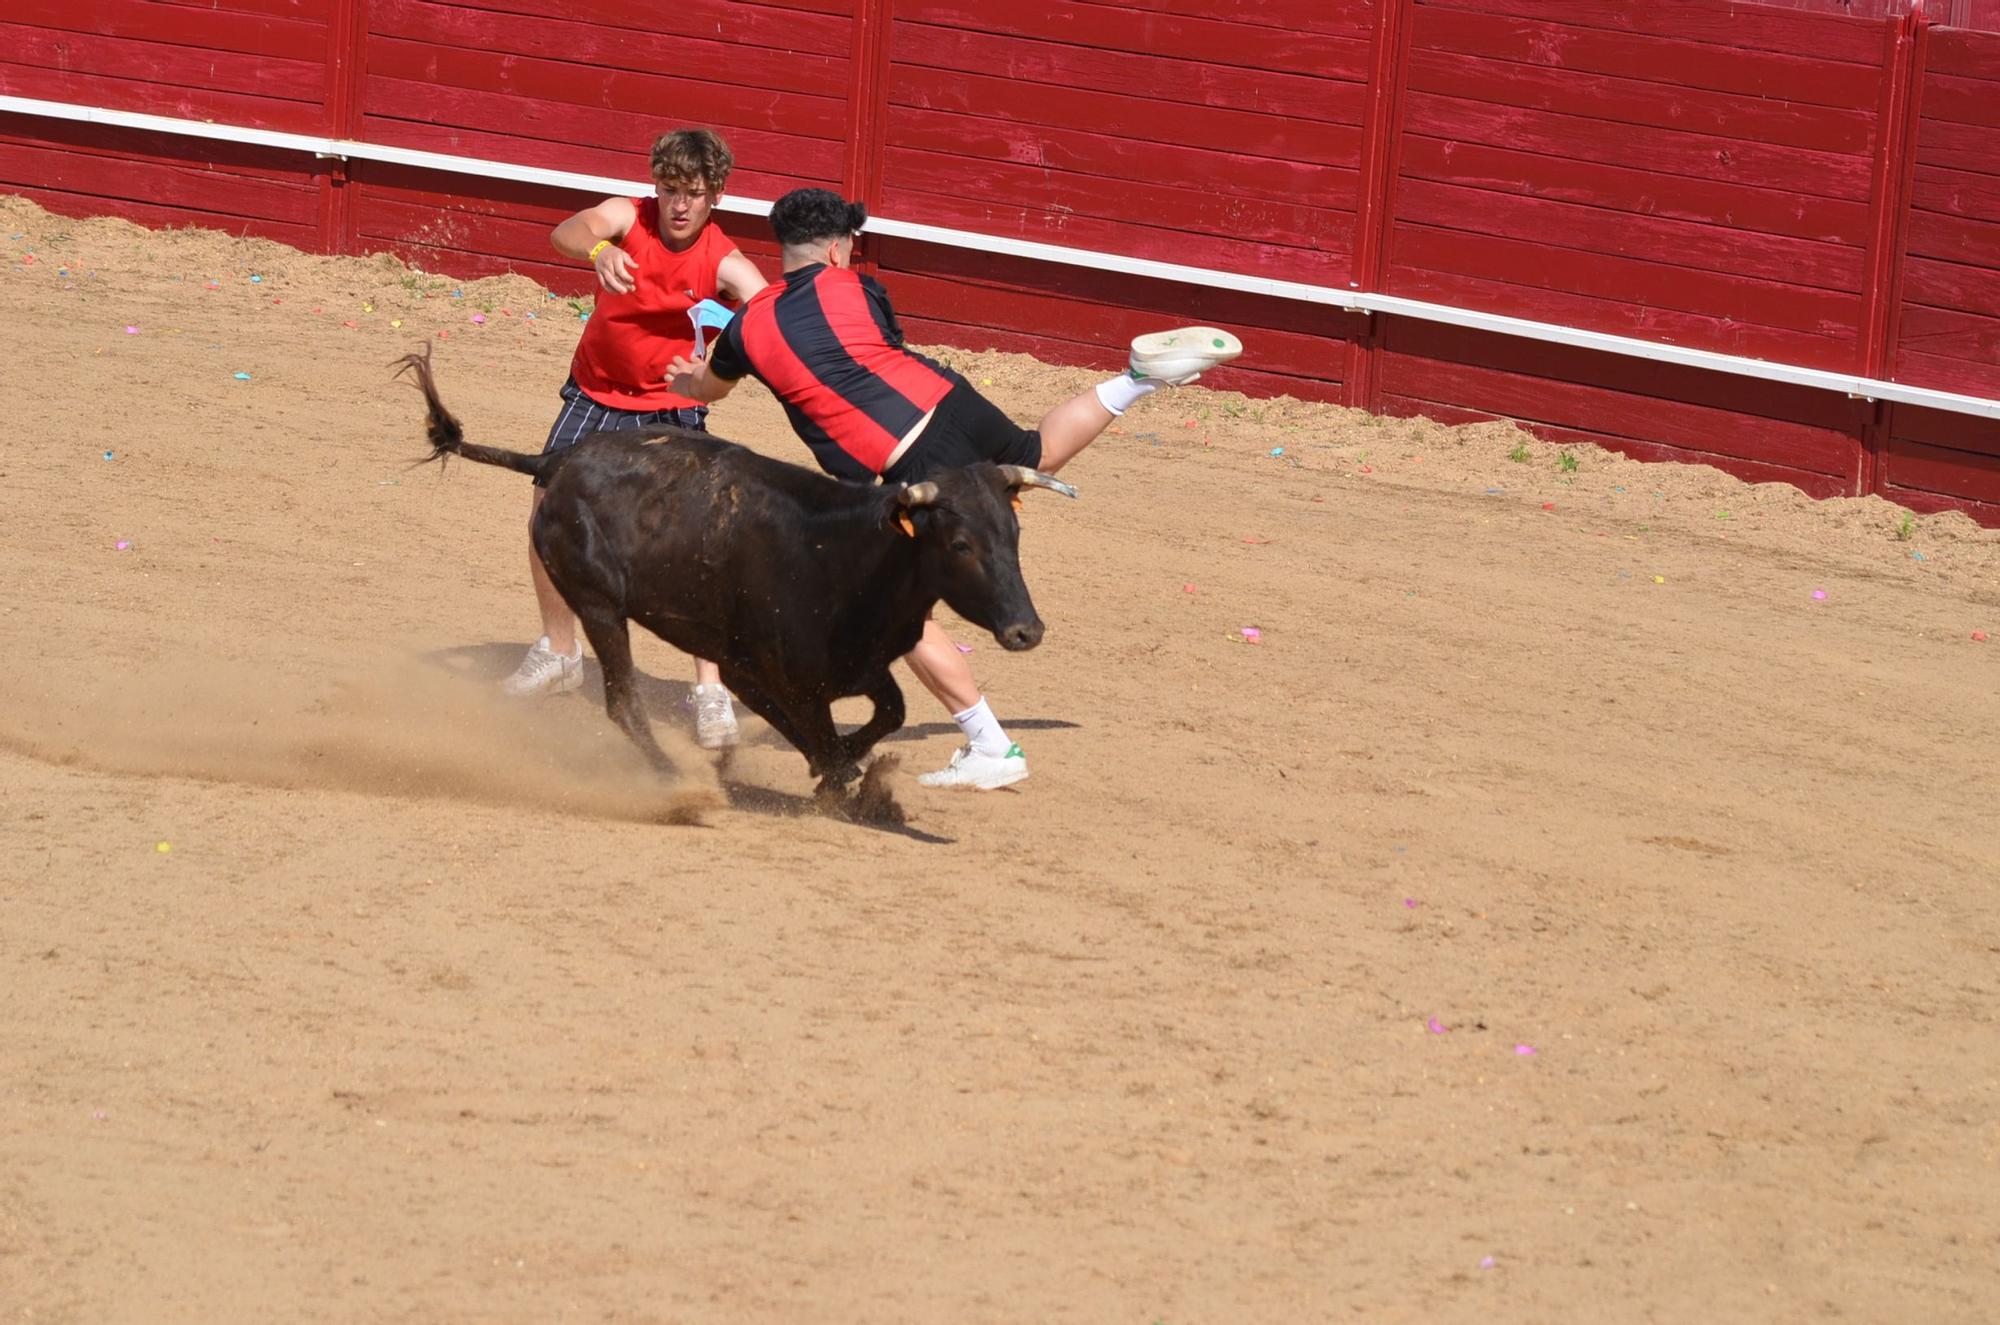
(692, 378)
(598, 229)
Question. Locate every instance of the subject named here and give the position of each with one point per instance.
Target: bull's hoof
(869, 803)
(873, 802)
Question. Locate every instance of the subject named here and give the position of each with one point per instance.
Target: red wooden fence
(1815, 182)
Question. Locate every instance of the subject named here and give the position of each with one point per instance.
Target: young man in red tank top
(655, 259)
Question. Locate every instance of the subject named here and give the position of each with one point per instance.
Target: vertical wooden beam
(347, 34)
(867, 110)
(1381, 160)
(1907, 40)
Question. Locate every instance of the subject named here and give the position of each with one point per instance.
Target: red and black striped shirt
(826, 342)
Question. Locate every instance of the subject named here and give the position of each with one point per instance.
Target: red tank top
(631, 338)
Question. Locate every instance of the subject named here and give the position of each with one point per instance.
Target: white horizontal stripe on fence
(1354, 301)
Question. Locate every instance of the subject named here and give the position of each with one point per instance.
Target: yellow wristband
(596, 249)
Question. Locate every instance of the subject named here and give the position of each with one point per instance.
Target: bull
(802, 588)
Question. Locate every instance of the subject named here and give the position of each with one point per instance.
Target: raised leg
(611, 641)
(887, 697)
(807, 725)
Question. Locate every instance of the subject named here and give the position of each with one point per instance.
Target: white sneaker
(969, 768)
(714, 718)
(1179, 356)
(545, 672)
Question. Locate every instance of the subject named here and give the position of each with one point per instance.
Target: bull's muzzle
(1021, 635)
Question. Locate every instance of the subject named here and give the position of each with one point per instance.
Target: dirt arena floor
(1580, 905)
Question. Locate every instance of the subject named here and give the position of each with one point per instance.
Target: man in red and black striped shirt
(826, 341)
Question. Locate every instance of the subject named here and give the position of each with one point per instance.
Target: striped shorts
(581, 416)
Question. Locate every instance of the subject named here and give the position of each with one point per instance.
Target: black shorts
(966, 429)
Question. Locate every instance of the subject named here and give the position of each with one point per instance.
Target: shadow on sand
(667, 701)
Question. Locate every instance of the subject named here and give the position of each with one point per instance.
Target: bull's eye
(961, 547)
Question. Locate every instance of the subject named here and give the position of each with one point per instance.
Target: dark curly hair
(805, 215)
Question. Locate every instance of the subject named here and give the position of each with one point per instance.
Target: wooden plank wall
(1725, 175)
(1227, 139)
(1948, 329)
(588, 91)
(259, 63)
(1680, 173)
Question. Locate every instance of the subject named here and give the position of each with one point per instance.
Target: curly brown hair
(692, 156)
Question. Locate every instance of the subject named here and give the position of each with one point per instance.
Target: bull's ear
(1020, 476)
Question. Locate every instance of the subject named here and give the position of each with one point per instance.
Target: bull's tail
(447, 436)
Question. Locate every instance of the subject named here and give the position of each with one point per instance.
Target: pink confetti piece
(479, 318)
(1819, 595)
(131, 331)
(1525, 1050)
(1410, 903)
(1252, 635)
(1486, 1262)
(122, 544)
(963, 648)
(1187, 588)
(1436, 1027)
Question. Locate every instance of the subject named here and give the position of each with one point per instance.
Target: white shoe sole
(1183, 352)
(994, 783)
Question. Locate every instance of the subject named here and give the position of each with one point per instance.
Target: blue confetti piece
(1277, 450)
(256, 280)
(242, 377)
(109, 455)
(1917, 555)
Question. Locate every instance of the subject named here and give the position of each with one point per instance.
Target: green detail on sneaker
(1014, 752)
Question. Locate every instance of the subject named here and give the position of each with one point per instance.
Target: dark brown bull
(802, 588)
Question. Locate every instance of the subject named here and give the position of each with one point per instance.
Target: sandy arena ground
(1565, 913)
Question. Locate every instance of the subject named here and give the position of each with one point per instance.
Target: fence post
(347, 33)
(867, 111)
(1889, 204)
(1381, 157)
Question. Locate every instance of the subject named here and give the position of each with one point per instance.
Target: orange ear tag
(1016, 501)
(908, 528)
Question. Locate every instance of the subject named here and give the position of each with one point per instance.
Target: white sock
(1124, 391)
(983, 731)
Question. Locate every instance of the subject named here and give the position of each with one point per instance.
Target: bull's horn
(1020, 476)
(918, 494)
